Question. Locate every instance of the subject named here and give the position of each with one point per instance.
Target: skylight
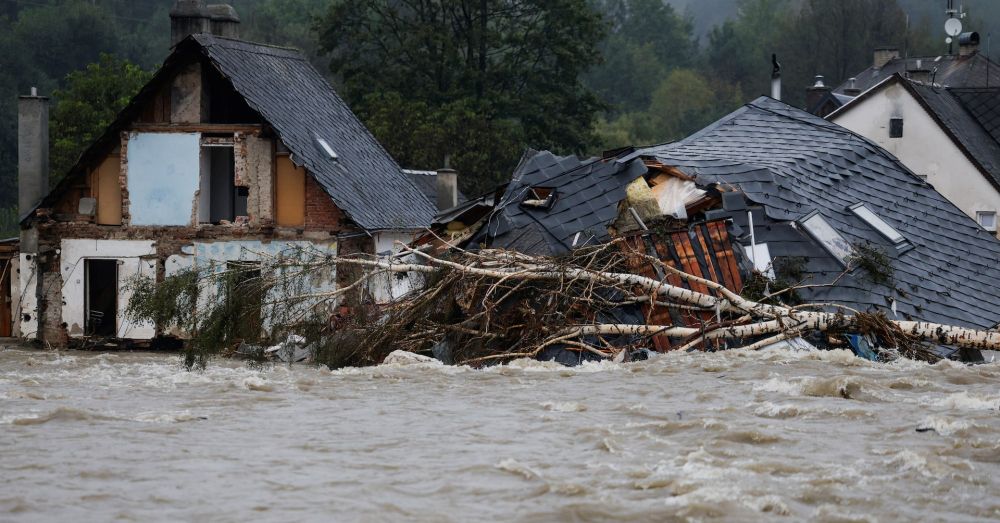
(326, 147)
(827, 236)
(539, 197)
(862, 211)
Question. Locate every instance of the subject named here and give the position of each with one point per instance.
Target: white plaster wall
(15, 296)
(924, 148)
(213, 257)
(387, 287)
(27, 300)
(130, 254)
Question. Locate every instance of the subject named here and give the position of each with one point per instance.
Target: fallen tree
(493, 305)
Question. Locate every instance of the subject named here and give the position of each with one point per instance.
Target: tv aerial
(953, 25)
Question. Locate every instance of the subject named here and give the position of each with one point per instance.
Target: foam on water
(732, 436)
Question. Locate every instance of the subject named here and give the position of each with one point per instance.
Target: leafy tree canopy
(87, 105)
(481, 77)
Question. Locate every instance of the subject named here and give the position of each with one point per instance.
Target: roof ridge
(248, 42)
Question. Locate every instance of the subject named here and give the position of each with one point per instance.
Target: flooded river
(733, 436)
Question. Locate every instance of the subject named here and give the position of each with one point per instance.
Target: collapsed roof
(795, 166)
(554, 204)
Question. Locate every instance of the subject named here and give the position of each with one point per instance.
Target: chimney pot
(447, 188)
(968, 43)
(852, 87)
(815, 95)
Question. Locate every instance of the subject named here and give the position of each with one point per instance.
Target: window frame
(896, 127)
(980, 214)
(830, 247)
(878, 223)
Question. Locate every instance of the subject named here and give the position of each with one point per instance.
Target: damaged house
(232, 152)
(768, 193)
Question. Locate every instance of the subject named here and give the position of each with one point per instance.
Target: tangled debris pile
(489, 306)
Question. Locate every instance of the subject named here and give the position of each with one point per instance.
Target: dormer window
(868, 216)
(827, 236)
(539, 197)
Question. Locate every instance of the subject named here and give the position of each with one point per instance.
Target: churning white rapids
(731, 436)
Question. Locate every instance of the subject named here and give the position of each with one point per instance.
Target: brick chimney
(884, 55)
(32, 151)
(189, 17)
(447, 188)
(968, 44)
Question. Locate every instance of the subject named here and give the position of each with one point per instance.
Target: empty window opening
(862, 211)
(987, 220)
(827, 236)
(895, 128)
(540, 197)
(219, 194)
(101, 292)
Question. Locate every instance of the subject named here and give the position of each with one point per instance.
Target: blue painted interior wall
(163, 176)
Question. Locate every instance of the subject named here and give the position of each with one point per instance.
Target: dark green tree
(483, 78)
(90, 101)
(647, 39)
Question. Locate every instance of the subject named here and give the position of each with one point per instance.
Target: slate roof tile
(951, 274)
(288, 92)
(587, 197)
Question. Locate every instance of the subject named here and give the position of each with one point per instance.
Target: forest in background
(574, 76)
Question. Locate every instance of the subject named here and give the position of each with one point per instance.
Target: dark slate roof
(587, 193)
(791, 163)
(951, 70)
(984, 105)
(288, 92)
(426, 181)
(961, 122)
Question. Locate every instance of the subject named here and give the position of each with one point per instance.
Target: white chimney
(447, 188)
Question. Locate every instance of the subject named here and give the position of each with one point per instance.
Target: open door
(102, 297)
(6, 317)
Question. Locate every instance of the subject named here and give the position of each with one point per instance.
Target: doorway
(101, 277)
(6, 314)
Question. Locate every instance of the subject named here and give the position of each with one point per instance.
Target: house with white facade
(948, 136)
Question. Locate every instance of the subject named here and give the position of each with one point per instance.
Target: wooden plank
(196, 128)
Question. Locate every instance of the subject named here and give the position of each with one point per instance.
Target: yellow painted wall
(108, 191)
(290, 194)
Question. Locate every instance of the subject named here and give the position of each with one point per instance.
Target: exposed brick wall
(50, 326)
(321, 212)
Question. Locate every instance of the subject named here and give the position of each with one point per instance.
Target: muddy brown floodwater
(731, 436)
